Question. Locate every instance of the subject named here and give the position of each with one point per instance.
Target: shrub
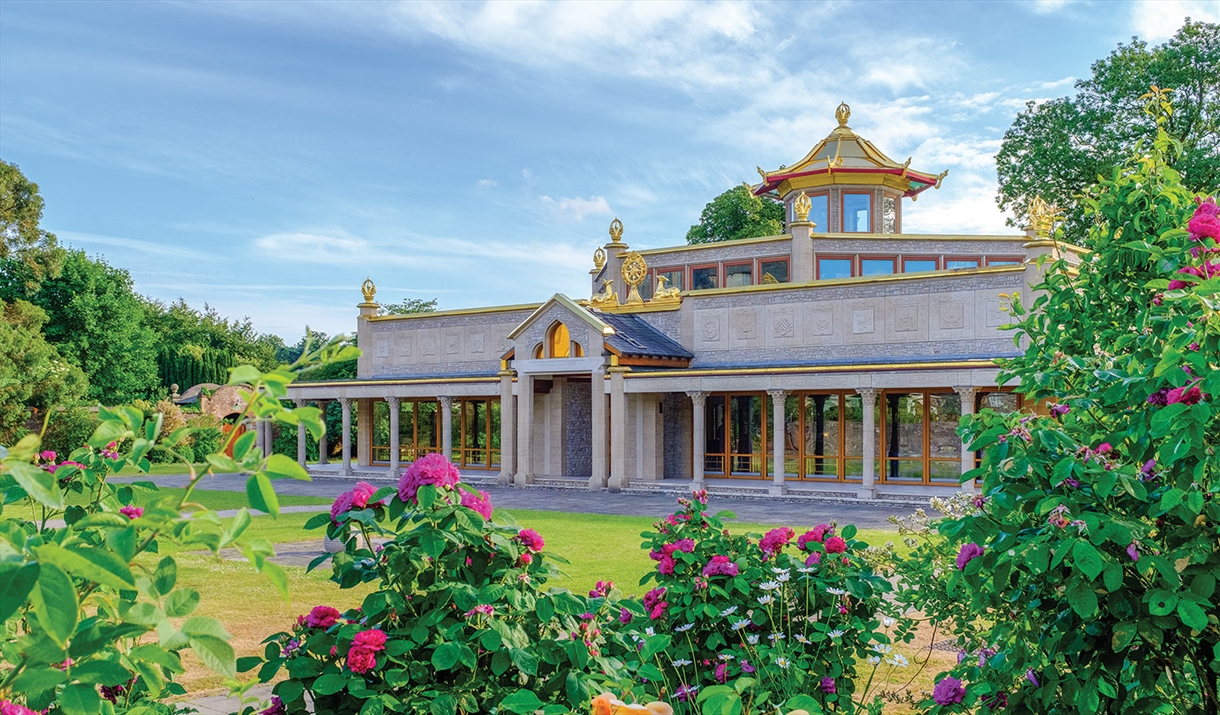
(91, 613)
(1092, 558)
(207, 435)
(458, 621)
(756, 622)
(68, 429)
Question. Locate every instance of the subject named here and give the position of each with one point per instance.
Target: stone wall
(462, 344)
(579, 429)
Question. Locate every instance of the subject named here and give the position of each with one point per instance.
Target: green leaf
(1192, 615)
(55, 604)
(1171, 498)
(1083, 600)
(524, 661)
(1123, 634)
(1112, 577)
(445, 656)
(101, 672)
(1162, 602)
(261, 494)
(329, 684)
(38, 483)
(204, 626)
(165, 576)
(90, 564)
(15, 588)
(109, 430)
(38, 679)
(521, 702)
(278, 577)
(243, 374)
(181, 603)
(223, 463)
(239, 524)
(216, 654)
(79, 699)
(1088, 560)
(280, 466)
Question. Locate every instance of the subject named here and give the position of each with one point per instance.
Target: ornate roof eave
(925, 181)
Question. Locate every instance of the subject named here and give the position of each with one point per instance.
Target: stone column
(967, 395)
(300, 437)
(259, 436)
(268, 438)
(446, 409)
(507, 422)
(698, 437)
(777, 450)
(801, 267)
(619, 479)
(345, 403)
(525, 430)
(323, 447)
(393, 403)
(597, 406)
(868, 399)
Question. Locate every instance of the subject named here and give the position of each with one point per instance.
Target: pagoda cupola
(851, 186)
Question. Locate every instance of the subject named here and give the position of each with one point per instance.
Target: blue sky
(265, 157)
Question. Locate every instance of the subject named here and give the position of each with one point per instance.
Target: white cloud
(1046, 7)
(1158, 20)
(170, 250)
(1065, 82)
(576, 207)
(486, 183)
(970, 153)
(967, 208)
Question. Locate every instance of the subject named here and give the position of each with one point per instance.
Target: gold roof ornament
(843, 113)
(606, 297)
(599, 258)
(801, 206)
(368, 289)
(616, 230)
(1042, 217)
(635, 270)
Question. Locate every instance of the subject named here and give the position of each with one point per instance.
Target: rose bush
(1090, 561)
(94, 620)
(750, 623)
(459, 621)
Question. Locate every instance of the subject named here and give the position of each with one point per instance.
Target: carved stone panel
(952, 315)
(710, 330)
(744, 326)
(822, 324)
(403, 342)
(476, 343)
(383, 347)
(906, 318)
(783, 326)
(863, 320)
(427, 345)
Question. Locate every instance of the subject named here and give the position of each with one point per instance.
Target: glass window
(738, 275)
(1003, 261)
(713, 445)
(857, 212)
(819, 213)
(876, 266)
(853, 436)
(903, 437)
(918, 265)
(834, 268)
(821, 436)
(746, 423)
(778, 270)
(560, 342)
(952, 263)
(674, 278)
(705, 277)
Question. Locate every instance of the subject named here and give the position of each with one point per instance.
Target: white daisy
(769, 585)
(836, 592)
(882, 648)
(800, 638)
(743, 623)
(766, 600)
(778, 570)
(783, 578)
(752, 640)
(726, 657)
(873, 660)
(650, 631)
(781, 662)
(887, 621)
(776, 637)
(803, 569)
(835, 634)
(685, 627)
(898, 660)
(729, 611)
(680, 663)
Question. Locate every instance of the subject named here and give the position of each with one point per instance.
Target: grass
(210, 498)
(160, 470)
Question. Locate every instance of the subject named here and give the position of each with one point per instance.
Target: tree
(21, 235)
(33, 375)
(97, 322)
(737, 213)
(1056, 149)
(409, 306)
(201, 346)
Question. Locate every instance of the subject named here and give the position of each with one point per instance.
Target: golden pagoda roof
(845, 157)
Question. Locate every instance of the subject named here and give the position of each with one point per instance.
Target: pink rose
(430, 469)
(1205, 223)
(531, 540)
(132, 511)
(835, 545)
(361, 660)
(968, 553)
(479, 503)
(372, 639)
(322, 617)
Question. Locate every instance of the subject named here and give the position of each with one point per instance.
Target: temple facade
(836, 358)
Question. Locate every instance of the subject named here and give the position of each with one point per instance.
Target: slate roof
(635, 337)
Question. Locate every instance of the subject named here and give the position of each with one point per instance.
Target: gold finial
(616, 230)
(369, 290)
(599, 258)
(1042, 217)
(761, 173)
(606, 298)
(843, 113)
(802, 206)
(940, 177)
(635, 270)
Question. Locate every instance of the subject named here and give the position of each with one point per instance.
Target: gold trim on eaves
(461, 311)
(858, 280)
(875, 367)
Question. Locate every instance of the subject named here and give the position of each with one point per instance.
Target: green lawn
(159, 470)
(210, 498)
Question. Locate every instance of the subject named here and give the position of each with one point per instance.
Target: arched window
(538, 351)
(559, 341)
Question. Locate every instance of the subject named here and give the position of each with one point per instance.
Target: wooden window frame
(817, 263)
(728, 455)
(758, 271)
(944, 261)
(674, 269)
(693, 268)
(724, 271)
(413, 445)
(936, 259)
(894, 262)
(872, 213)
(841, 457)
(1005, 260)
(882, 473)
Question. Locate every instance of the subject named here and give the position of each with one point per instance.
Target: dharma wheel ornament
(616, 230)
(368, 289)
(599, 258)
(635, 270)
(802, 206)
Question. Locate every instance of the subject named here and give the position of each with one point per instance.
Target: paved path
(762, 510)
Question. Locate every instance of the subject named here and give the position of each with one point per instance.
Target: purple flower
(968, 553)
(828, 685)
(1029, 675)
(624, 616)
(276, 707)
(1133, 552)
(685, 693)
(722, 672)
(746, 667)
(948, 691)
(1149, 469)
(1060, 410)
(720, 566)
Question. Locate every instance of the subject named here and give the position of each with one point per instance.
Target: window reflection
(876, 266)
(778, 270)
(829, 268)
(739, 275)
(857, 213)
(703, 278)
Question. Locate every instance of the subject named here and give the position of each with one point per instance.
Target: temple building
(834, 359)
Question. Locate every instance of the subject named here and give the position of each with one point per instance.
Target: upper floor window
(918, 265)
(857, 213)
(834, 268)
(819, 213)
(777, 269)
(559, 343)
(876, 266)
(738, 274)
(952, 263)
(705, 277)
